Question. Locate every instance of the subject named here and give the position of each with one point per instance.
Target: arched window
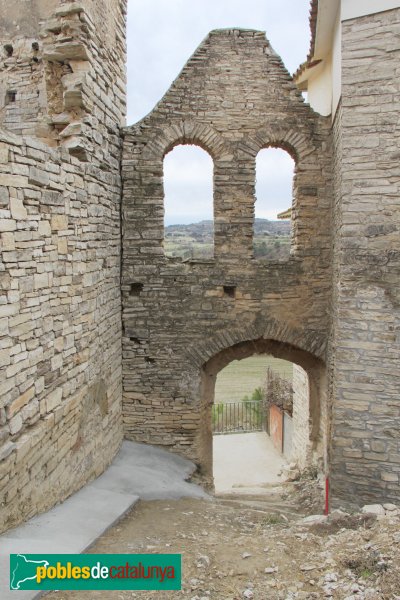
(188, 203)
(274, 191)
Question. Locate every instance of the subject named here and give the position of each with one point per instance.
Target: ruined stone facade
(332, 308)
(233, 98)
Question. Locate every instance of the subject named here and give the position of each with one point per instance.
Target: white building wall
(324, 83)
(320, 88)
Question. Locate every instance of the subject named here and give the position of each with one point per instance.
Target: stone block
(16, 181)
(7, 241)
(6, 449)
(4, 150)
(41, 280)
(56, 362)
(31, 410)
(20, 402)
(4, 196)
(38, 177)
(7, 310)
(378, 446)
(16, 424)
(5, 358)
(62, 246)
(60, 52)
(59, 222)
(39, 385)
(18, 210)
(53, 400)
(44, 228)
(7, 225)
(374, 509)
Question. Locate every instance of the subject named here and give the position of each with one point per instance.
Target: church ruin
(103, 336)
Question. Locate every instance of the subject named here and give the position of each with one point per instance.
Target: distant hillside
(271, 240)
(205, 228)
(272, 227)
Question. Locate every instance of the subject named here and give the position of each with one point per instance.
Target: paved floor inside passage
(244, 462)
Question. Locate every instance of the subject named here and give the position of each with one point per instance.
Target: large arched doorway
(252, 424)
(309, 408)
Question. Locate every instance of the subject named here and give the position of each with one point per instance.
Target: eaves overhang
(323, 14)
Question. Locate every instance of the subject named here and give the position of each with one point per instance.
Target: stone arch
(304, 353)
(307, 341)
(186, 132)
(308, 183)
(295, 143)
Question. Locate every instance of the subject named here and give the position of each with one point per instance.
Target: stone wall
(233, 98)
(301, 447)
(365, 452)
(66, 83)
(62, 85)
(23, 18)
(60, 323)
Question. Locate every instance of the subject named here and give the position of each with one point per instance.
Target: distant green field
(241, 377)
(186, 247)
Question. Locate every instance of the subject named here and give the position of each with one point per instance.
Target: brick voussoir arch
(164, 139)
(278, 338)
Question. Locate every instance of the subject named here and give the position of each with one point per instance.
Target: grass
(365, 565)
(241, 377)
(274, 519)
(186, 246)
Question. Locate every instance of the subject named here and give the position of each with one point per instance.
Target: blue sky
(162, 35)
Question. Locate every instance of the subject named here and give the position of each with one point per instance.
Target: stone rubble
(357, 561)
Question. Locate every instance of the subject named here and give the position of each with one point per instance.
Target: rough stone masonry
(62, 83)
(183, 321)
(332, 307)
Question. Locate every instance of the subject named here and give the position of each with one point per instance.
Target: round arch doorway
(316, 410)
(246, 459)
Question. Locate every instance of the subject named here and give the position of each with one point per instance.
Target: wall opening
(284, 390)
(229, 291)
(9, 50)
(11, 96)
(136, 289)
(246, 454)
(188, 203)
(275, 170)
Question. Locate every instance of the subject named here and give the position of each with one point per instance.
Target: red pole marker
(326, 496)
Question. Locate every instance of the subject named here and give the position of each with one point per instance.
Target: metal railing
(238, 417)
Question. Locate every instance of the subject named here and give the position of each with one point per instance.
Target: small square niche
(229, 291)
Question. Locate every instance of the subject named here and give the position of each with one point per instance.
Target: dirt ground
(261, 548)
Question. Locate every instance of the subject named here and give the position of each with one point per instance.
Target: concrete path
(138, 471)
(244, 462)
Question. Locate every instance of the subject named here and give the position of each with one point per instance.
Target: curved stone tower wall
(62, 72)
